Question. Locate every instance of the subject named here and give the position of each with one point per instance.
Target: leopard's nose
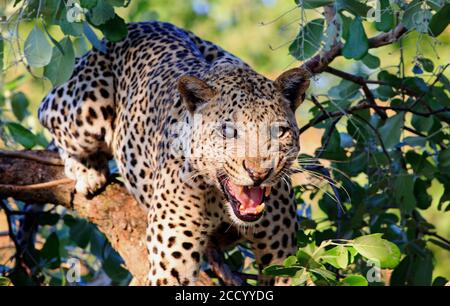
(257, 175)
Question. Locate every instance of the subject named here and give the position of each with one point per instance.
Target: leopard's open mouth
(247, 202)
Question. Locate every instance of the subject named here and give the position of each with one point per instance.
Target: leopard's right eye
(229, 131)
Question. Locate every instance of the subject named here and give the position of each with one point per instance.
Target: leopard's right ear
(194, 92)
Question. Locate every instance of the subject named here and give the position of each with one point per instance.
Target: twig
(15, 188)
(317, 103)
(439, 237)
(328, 136)
(414, 131)
(377, 134)
(361, 82)
(361, 106)
(419, 99)
(29, 155)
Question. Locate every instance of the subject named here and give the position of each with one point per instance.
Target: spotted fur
(129, 103)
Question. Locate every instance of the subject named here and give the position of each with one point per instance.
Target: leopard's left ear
(293, 85)
(194, 92)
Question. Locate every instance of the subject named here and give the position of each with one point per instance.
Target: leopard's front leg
(79, 115)
(176, 235)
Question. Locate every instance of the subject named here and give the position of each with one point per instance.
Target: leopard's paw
(88, 179)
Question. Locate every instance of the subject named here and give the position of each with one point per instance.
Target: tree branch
(320, 62)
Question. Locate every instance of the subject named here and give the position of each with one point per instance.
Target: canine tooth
(241, 207)
(267, 191)
(260, 208)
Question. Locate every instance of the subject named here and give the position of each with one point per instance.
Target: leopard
(200, 139)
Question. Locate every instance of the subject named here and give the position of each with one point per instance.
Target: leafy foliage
(387, 153)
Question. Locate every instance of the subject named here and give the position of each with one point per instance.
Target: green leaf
(337, 257)
(50, 251)
(305, 260)
(440, 20)
(355, 7)
(420, 192)
(426, 63)
(354, 280)
(435, 4)
(440, 281)
(37, 49)
(384, 92)
(422, 21)
(291, 260)
(300, 278)
(357, 43)
(345, 90)
(375, 248)
(123, 3)
(101, 13)
(390, 132)
(70, 28)
(21, 135)
(311, 4)
(345, 22)
(60, 68)
(420, 164)
(333, 149)
(444, 159)
(19, 105)
(342, 256)
(308, 40)
(278, 270)
(416, 17)
(1, 53)
(4, 281)
(410, 12)
(404, 192)
(421, 270)
(352, 252)
(48, 219)
(114, 29)
(421, 123)
(387, 18)
(80, 46)
(371, 61)
(324, 273)
(88, 3)
(80, 231)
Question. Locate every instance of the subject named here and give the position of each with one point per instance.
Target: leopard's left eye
(278, 131)
(229, 131)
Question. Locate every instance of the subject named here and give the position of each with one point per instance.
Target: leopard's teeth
(260, 208)
(241, 207)
(267, 191)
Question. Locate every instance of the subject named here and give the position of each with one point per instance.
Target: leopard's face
(244, 136)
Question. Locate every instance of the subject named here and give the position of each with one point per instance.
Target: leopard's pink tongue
(250, 198)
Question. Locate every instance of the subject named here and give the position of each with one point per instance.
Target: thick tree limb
(38, 177)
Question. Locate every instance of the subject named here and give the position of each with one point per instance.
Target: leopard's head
(244, 135)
